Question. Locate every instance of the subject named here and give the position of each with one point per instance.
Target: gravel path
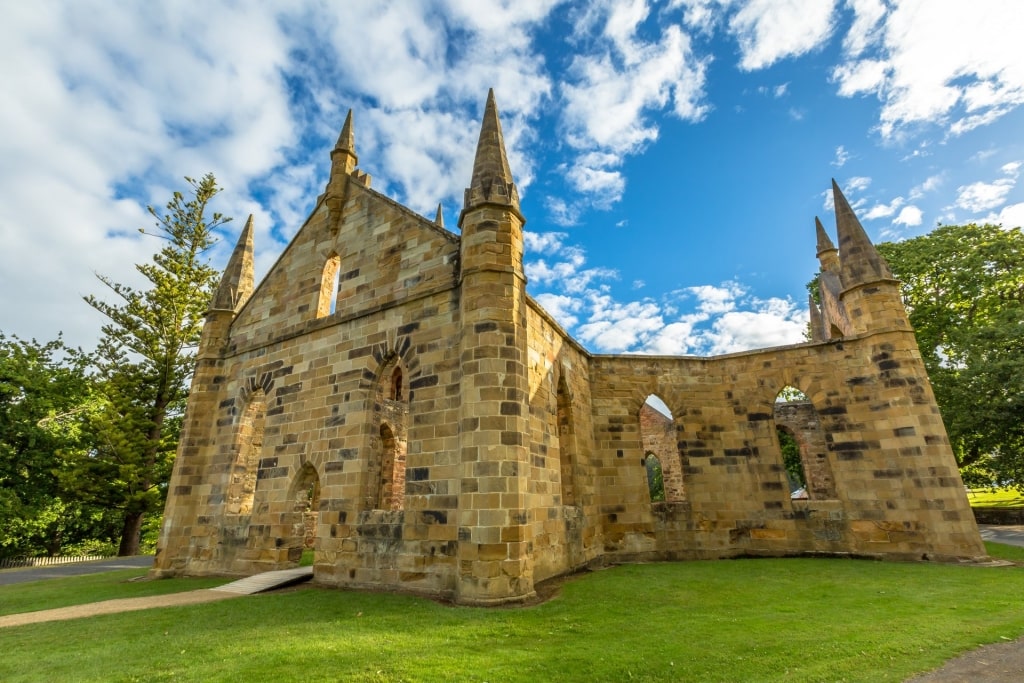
(113, 607)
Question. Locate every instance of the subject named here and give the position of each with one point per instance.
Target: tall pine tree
(145, 361)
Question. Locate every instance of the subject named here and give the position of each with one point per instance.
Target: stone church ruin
(391, 396)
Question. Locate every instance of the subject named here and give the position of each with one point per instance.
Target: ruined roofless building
(390, 396)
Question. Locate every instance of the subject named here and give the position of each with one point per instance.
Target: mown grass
(1002, 551)
(1002, 498)
(742, 620)
(78, 590)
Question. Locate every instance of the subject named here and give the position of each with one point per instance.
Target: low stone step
(266, 581)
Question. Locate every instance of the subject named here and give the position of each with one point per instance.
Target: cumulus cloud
(883, 210)
(981, 196)
(543, 242)
(562, 308)
(867, 17)
(935, 62)
(776, 322)
(1010, 216)
(930, 184)
(770, 30)
(909, 216)
(615, 84)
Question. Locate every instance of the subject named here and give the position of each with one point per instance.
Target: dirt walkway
(113, 607)
(997, 663)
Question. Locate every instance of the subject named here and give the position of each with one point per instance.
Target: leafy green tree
(145, 361)
(655, 478)
(791, 458)
(45, 400)
(964, 291)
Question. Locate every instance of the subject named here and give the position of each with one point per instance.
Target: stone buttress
(186, 522)
(495, 563)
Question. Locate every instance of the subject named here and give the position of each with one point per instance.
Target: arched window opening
(396, 384)
(655, 478)
(306, 500)
(566, 442)
(330, 281)
(802, 446)
(658, 433)
(793, 462)
(248, 448)
(391, 489)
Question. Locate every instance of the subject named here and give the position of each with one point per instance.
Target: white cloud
(94, 127)
(852, 186)
(883, 210)
(936, 62)
(868, 15)
(1011, 216)
(776, 323)
(562, 308)
(561, 212)
(842, 156)
(543, 242)
(770, 30)
(930, 184)
(867, 76)
(720, 299)
(856, 184)
(615, 86)
(909, 216)
(615, 327)
(980, 196)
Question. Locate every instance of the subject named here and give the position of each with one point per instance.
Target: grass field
(1003, 498)
(740, 620)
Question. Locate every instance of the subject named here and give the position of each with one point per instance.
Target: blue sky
(671, 155)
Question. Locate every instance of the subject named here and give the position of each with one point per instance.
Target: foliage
(145, 361)
(791, 458)
(964, 291)
(655, 478)
(45, 400)
(768, 619)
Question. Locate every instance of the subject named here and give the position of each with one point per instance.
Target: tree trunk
(130, 534)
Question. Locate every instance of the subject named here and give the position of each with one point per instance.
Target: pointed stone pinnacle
(492, 178)
(824, 241)
(237, 282)
(817, 322)
(347, 139)
(860, 262)
(439, 218)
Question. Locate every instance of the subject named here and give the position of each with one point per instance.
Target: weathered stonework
(390, 395)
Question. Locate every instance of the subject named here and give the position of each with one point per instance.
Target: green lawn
(1003, 498)
(740, 620)
(123, 583)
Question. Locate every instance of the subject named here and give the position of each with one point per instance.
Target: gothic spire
(347, 139)
(817, 321)
(236, 284)
(439, 218)
(828, 256)
(824, 241)
(860, 262)
(343, 156)
(492, 178)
